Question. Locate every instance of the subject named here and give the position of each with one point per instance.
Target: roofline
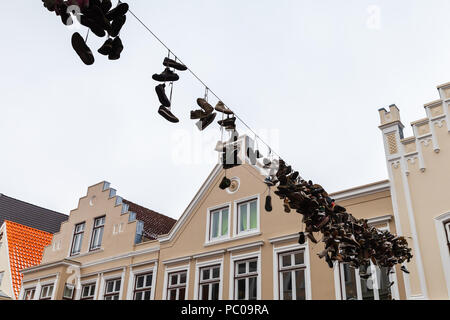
(384, 185)
(4, 195)
(63, 262)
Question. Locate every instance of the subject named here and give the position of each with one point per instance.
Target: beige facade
(226, 246)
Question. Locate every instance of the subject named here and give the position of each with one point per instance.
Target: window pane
(110, 287)
(216, 273)
(183, 278)
(253, 216)
(286, 260)
(148, 280)
(50, 291)
(174, 279)
(138, 296)
(140, 282)
(181, 295)
(253, 266)
(366, 285)
(350, 283)
(117, 285)
(173, 294)
(215, 291)
(68, 291)
(242, 268)
(147, 295)
(85, 292)
(287, 285)
(253, 292)
(215, 225)
(243, 217)
(300, 288)
(241, 289)
(205, 274)
(205, 292)
(224, 230)
(92, 290)
(300, 258)
(385, 290)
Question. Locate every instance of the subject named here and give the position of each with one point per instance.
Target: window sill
(86, 254)
(235, 238)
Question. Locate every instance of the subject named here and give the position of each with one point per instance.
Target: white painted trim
(40, 278)
(444, 250)
(246, 246)
(284, 238)
(105, 279)
(211, 263)
(120, 257)
(239, 237)
(246, 256)
(276, 274)
(236, 233)
(135, 265)
(132, 280)
(381, 219)
(50, 265)
(361, 191)
(177, 260)
(208, 225)
(167, 271)
(208, 254)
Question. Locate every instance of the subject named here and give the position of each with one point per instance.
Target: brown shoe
(205, 105)
(222, 108)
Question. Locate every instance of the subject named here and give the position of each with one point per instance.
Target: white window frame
(90, 284)
(104, 279)
(71, 287)
(25, 290)
(340, 284)
(169, 271)
(92, 239)
(43, 286)
(205, 264)
(144, 288)
(236, 216)
(443, 246)
(132, 280)
(277, 252)
(115, 292)
(208, 238)
(241, 257)
(71, 254)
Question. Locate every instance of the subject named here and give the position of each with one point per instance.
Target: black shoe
(82, 49)
(173, 64)
(230, 159)
(116, 50)
(202, 124)
(268, 205)
(117, 25)
(167, 114)
(225, 184)
(198, 114)
(403, 268)
(227, 122)
(106, 48)
(166, 75)
(93, 26)
(302, 238)
(222, 108)
(106, 5)
(205, 105)
(118, 11)
(162, 95)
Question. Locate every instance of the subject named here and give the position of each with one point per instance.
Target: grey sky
(313, 72)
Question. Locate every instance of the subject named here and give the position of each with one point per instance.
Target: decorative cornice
(362, 190)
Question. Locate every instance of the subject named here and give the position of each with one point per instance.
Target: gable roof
(30, 215)
(155, 223)
(25, 249)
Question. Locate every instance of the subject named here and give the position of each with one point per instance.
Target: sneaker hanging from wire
(170, 63)
(222, 108)
(160, 91)
(167, 114)
(81, 48)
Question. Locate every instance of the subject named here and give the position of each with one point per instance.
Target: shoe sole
(166, 114)
(82, 49)
(175, 65)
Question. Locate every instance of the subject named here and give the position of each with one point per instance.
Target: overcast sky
(309, 76)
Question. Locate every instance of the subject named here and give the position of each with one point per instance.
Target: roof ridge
(2, 194)
(160, 214)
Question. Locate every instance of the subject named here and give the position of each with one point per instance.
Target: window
(68, 292)
(246, 280)
(292, 275)
(112, 289)
(29, 294)
(177, 286)
(77, 239)
(143, 287)
(47, 292)
(88, 291)
(447, 232)
(248, 216)
(376, 287)
(97, 233)
(209, 283)
(219, 221)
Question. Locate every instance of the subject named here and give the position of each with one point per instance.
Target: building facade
(227, 246)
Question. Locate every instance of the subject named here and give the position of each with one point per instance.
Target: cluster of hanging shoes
(168, 75)
(347, 239)
(99, 17)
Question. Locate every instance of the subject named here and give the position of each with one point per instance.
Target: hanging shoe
(167, 114)
(230, 159)
(311, 237)
(222, 108)
(287, 207)
(266, 163)
(198, 114)
(116, 50)
(166, 75)
(268, 205)
(227, 122)
(202, 124)
(225, 184)
(403, 268)
(105, 5)
(120, 10)
(302, 238)
(82, 49)
(219, 146)
(96, 14)
(117, 25)
(162, 95)
(173, 64)
(205, 105)
(106, 48)
(268, 181)
(93, 26)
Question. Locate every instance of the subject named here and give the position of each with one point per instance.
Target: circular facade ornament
(235, 184)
